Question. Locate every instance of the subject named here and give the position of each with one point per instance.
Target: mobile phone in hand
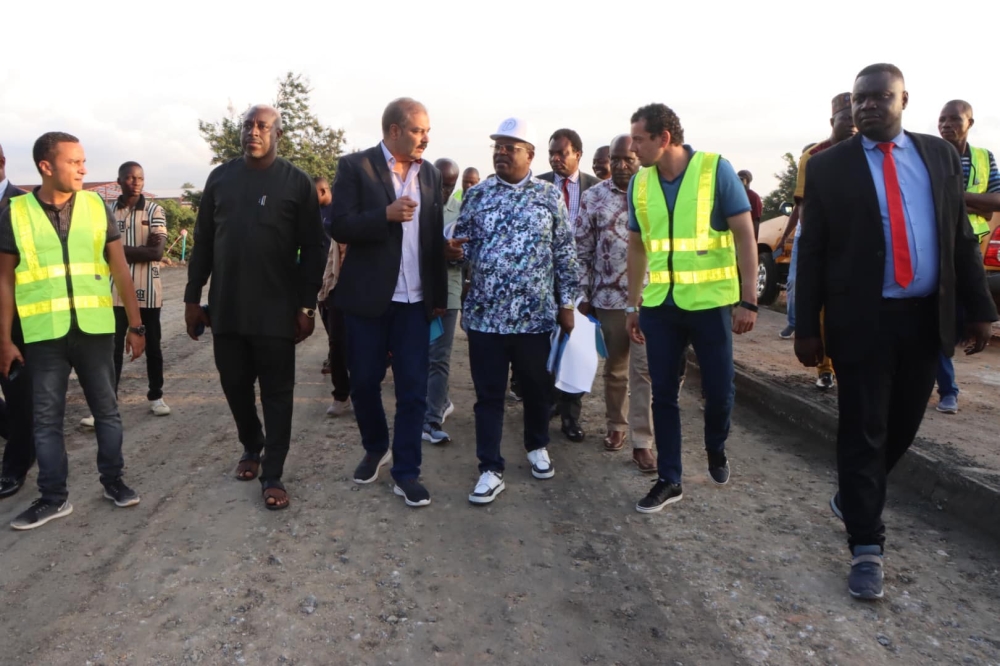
(15, 370)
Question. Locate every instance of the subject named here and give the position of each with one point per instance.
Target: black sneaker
(120, 494)
(41, 512)
(367, 471)
(865, 580)
(662, 494)
(9, 485)
(718, 468)
(412, 491)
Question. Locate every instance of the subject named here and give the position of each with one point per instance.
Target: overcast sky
(751, 81)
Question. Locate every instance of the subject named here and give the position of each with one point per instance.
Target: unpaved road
(554, 572)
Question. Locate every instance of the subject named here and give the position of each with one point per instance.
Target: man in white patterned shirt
(602, 250)
(143, 226)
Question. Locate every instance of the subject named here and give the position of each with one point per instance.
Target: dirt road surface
(554, 572)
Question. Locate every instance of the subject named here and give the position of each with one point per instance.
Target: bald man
(602, 162)
(602, 250)
(16, 414)
(257, 213)
(439, 405)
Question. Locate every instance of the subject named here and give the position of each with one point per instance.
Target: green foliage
(786, 188)
(305, 141)
(178, 217)
(191, 196)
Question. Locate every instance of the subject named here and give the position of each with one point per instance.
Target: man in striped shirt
(143, 226)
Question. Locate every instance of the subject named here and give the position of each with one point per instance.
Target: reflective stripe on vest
(979, 181)
(43, 278)
(696, 264)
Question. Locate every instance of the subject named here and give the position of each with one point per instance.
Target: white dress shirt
(409, 288)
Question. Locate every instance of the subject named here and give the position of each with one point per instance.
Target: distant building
(110, 191)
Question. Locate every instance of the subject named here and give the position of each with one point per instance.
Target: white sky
(751, 80)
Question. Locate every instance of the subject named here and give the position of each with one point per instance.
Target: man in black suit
(16, 416)
(888, 251)
(565, 151)
(388, 209)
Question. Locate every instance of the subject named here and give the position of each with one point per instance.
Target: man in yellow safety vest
(58, 248)
(689, 219)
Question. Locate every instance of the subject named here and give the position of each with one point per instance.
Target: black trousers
(882, 401)
(19, 452)
(153, 353)
(243, 361)
(491, 355)
(337, 333)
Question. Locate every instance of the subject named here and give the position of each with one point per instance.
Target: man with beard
(257, 213)
(387, 206)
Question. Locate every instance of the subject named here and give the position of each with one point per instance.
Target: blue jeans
(668, 329)
(440, 366)
(790, 283)
(946, 377)
(50, 362)
(404, 332)
(491, 357)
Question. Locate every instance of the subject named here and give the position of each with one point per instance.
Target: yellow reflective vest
(53, 282)
(687, 257)
(979, 180)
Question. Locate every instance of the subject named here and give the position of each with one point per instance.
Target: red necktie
(897, 219)
(566, 191)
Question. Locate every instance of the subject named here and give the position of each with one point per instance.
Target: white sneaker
(448, 411)
(490, 485)
(87, 421)
(159, 407)
(339, 408)
(541, 466)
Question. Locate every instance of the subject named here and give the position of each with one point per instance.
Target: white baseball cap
(517, 129)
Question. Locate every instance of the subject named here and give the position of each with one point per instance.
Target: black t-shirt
(251, 226)
(60, 218)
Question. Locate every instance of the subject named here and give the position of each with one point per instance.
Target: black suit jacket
(841, 253)
(10, 192)
(362, 190)
(586, 180)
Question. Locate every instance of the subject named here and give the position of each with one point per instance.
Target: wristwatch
(630, 310)
(138, 330)
(309, 312)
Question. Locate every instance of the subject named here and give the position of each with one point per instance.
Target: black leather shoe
(9, 485)
(572, 430)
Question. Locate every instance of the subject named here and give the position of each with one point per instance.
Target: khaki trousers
(628, 395)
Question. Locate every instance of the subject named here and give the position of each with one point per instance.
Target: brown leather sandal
(248, 466)
(275, 496)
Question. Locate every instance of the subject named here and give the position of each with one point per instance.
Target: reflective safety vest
(979, 180)
(687, 257)
(53, 282)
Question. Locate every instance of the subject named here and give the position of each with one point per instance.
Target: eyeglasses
(508, 148)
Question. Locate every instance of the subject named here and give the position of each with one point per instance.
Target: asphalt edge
(922, 470)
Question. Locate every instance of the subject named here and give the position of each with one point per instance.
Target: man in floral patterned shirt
(524, 281)
(602, 247)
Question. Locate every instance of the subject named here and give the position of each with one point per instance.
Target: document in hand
(573, 360)
(437, 328)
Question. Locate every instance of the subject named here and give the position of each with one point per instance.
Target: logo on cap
(508, 125)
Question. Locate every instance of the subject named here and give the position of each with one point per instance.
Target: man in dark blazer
(16, 416)
(387, 208)
(565, 151)
(888, 251)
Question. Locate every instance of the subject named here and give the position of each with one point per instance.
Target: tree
(306, 142)
(785, 191)
(191, 196)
